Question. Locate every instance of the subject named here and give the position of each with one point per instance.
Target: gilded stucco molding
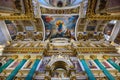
(91, 15)
(18, 16)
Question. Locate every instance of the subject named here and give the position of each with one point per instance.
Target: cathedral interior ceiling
(96, 16)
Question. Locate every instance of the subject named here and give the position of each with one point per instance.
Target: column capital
(38, 57)
(93, 57)
(14, 56)
(47, 67)
(72, 67)
(106, 57)
(27, 56)
(81, 56)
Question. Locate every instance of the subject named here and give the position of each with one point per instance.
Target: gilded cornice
(60, 11)
(26, 17)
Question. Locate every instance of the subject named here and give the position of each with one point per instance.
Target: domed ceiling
(60, 3)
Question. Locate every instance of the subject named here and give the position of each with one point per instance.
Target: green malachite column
(105, 71)
(15, 71)
(87, 70)
(6, 65)
(114, 64)
(32, 71)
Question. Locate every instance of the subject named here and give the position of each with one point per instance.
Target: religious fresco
(4, 4)
(60, 3)
(14, 6)
(113, 6)
(77, 66)
(91, 64)
(11, 28)
(60, 27)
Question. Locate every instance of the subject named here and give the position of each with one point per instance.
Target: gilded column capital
(4, 72)
(14, 56)
(47, 67)
(20, 73)
(39, 57)
(72, 67)
(27, 56)
(47, 78)
(73, 78)
(81, 57)
(106, 57)
(93, 57)
(18, 78)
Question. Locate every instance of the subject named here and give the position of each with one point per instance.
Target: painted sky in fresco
(60, 27)
(73, 2)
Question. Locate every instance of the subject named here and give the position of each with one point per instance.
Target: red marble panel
(15, 64)
(106, 64)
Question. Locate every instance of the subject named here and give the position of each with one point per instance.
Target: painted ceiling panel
(60, 3)
(56, 27)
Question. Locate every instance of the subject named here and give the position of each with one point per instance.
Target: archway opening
(60, 69)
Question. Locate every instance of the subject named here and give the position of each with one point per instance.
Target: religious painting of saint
(59, 27)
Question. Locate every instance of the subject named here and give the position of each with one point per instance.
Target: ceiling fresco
(15, 6)
(60, 3)
(110, 6)
(4, 4)
(60, 22)
(60, 27)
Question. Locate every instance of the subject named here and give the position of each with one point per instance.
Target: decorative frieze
(91, 15)
(60, 11)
